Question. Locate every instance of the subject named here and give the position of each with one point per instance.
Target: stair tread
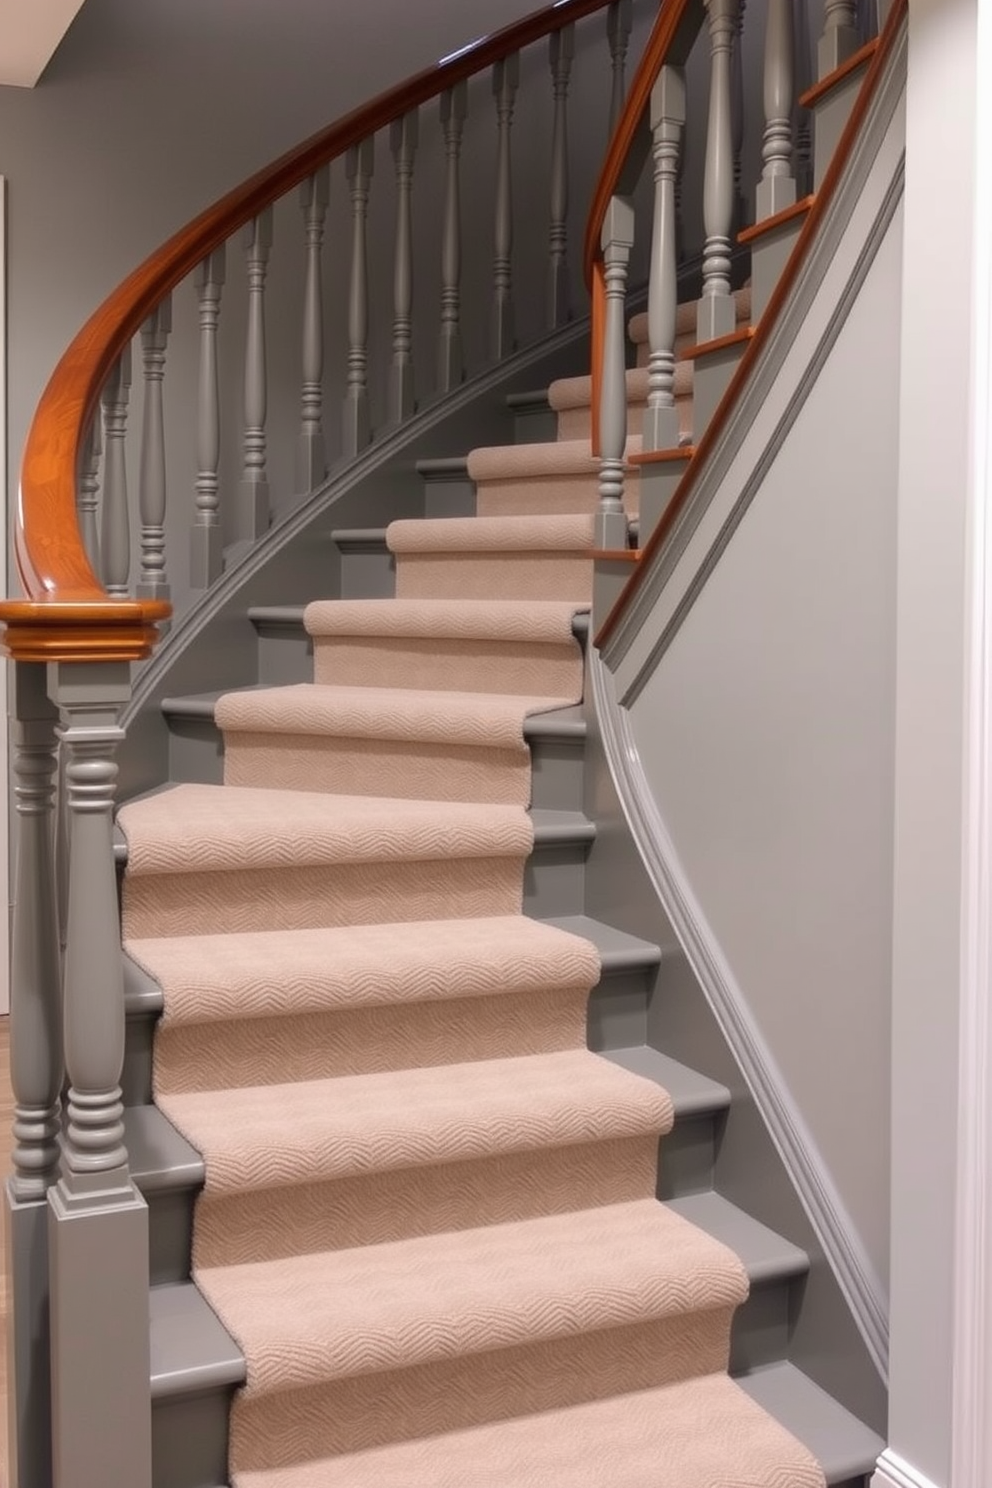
(208, 828)
(766, 1255)
(543, 532)
(628, 1441)
(353, 1125)
(320, 1316)
(551, 723)
(292, 616)
(692, 1093)
(617, 949)
(537, 622)
(844, 1446)
(191, 1350)
(359, 536)
(159, 1157)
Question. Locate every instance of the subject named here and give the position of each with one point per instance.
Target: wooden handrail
(67, 613)
(776, 303)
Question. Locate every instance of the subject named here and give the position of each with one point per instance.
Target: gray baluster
(311, 457)
(205, 554)
(661, 421)
(450, 363)
(716, 315)
(840, 38)
(115, 526)
(617, 240)
(777, 187)
(88, 499)
(35, 1073)
(803, 128)
(737, 116)
(562, 51)
(356, 432)
(618, 28)
(403, 139)
(506, 78)
(98, 1222)
(153, 582)
(254, 479)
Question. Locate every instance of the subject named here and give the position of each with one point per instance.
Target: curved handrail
(762, 331)
(67, 613)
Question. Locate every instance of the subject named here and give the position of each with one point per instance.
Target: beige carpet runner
(429, 1215)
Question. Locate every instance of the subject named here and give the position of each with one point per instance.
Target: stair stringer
(707, 1021)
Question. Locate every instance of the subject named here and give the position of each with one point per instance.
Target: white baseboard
(893, 1472)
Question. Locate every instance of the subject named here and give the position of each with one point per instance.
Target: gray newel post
(716, 315)
(506, 79)
(115, 530)
(777, 187)
(255, 480)
(205, 553)
(450, 362)
(153, 581)
(616, 241)
(619, 22)
(98, 1222)
(311, 458)
(403, 138)
(359, 164)
(35, 1075)
(561, 52)
(661, 420)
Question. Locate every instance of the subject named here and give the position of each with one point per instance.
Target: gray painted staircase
(195, 1365)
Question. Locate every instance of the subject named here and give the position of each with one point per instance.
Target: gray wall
(764, 714)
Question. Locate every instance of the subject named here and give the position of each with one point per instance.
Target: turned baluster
(205, 554)
(311, 459)
(561, 51)
(454, 107)
(153, 582)
(840, 38)
(777, 187)
(356, 429)
(403, 140)
(716, 314)
(661, 423)
(618, 28)
(802, 123)
(616, 241)
(115, 526)
(737, 116)
(506, 78)
(98, 1222)
(88, 495)
(254, 490)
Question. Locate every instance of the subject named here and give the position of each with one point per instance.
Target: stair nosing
(200, 1373)
(717, 1216)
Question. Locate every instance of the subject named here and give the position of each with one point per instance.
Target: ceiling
(30, 30)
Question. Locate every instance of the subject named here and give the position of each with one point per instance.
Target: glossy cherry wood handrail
(64, 596)
(828, 188)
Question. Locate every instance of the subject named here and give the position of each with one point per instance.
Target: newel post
(35, 1075)
(661, 420)
(616, 241)
(98, 1222)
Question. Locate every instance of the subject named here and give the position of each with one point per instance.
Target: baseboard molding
(893, 1472)
(810, 1175)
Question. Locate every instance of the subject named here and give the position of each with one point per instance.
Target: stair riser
(550, 496)
(196, 753)
(381, 1207)
(269, 1431)
(367, 572)
(494, 575)
(535, 423)
(285, 655)
(189, 1440)
(762, 1326)
(446, 665)
(576, 423)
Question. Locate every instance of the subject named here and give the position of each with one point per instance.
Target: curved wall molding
(861, 1287)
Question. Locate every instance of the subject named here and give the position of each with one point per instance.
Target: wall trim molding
(893, 1472)
(971, 1418)
(832, 1225)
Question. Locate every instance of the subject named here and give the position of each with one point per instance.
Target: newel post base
(97, 1220)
